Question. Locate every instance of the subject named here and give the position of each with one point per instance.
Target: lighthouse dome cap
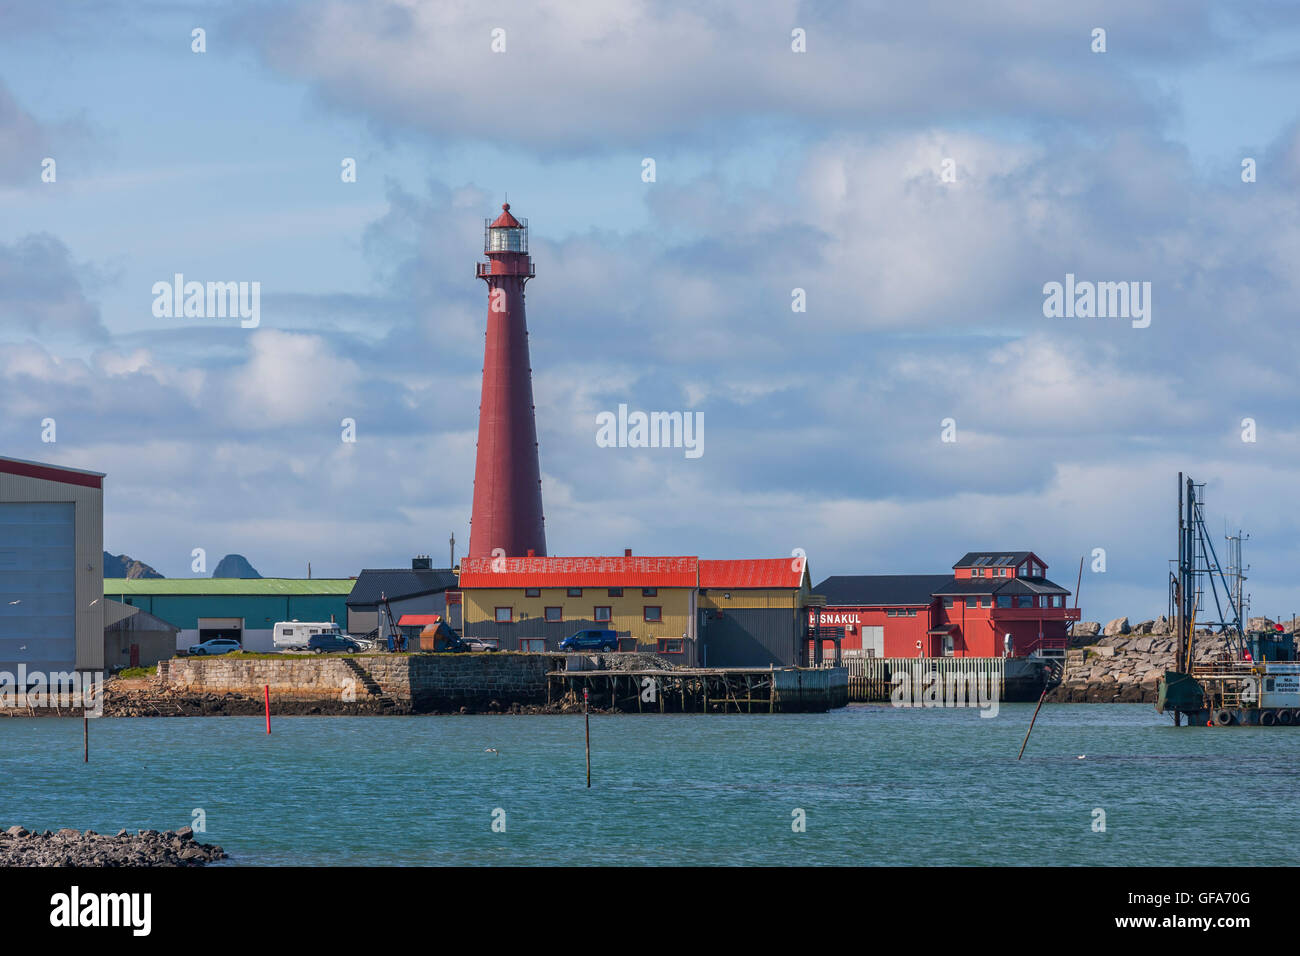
(505, 220)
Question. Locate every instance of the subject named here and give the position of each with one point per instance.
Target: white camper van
(293, 635)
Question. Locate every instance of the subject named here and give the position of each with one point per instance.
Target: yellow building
(752, 612)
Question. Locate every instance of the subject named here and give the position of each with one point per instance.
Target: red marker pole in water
(266, 688)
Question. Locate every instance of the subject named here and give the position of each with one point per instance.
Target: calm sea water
(878, 786)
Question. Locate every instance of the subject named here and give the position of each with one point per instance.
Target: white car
(218, 645)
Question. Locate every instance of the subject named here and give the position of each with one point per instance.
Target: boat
(1255, 680)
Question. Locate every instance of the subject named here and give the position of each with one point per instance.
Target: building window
(1058, 600)
(653, 613)
(671, 645)
(575, 592)
(649, 592)
(911, 612)
(977, 572)
(1025, 600)
(602, 614)
(532, 592)
(972, 602)
(532, 645)
(947, 602)
(615, 592)
(1004, 600)
(504, 615)
(554, 614)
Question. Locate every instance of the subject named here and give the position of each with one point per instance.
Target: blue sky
(775, 170)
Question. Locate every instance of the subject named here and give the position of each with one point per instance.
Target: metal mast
(1198, 565)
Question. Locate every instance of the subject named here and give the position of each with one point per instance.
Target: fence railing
(874, 678)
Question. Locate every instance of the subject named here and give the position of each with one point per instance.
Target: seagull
(491, 750)
(1081, 757)
(12, 603)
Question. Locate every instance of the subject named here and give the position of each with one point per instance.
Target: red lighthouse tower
(507, 476)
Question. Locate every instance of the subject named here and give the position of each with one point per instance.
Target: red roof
(554, 572)
(67, 476)
(418, 620)
(679, 572)
(505, 219)
(758, 573)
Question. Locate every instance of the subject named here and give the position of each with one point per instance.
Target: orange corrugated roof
(593, 572)
(754, 573)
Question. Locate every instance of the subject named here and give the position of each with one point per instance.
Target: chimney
(421, 562)
(627, 552)
(532, 553)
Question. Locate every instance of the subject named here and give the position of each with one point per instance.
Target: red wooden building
(994, 604)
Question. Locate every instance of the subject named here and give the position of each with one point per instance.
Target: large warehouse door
(37, 586)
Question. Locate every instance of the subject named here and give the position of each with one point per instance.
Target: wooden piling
(1041, 698)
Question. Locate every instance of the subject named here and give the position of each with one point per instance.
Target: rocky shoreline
(19, 847)
(147, 698)
(1121, 662)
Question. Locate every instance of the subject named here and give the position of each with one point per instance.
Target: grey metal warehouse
(51, 567)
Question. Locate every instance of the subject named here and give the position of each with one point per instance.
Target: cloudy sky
(775, 170)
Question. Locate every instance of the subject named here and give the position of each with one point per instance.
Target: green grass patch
(137, 671)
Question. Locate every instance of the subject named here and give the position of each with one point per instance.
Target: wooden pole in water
(266, 689)
(85, 724)
(586, 716)
(1041, 698)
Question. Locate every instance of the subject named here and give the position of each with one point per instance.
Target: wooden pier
(705, 690)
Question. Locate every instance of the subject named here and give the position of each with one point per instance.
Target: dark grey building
(414, 590)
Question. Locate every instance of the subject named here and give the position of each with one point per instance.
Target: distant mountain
(125, 566)
(235, 566)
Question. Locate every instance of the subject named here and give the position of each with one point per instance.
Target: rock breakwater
(20, 847)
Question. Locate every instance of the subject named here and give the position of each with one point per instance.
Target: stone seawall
(392, 682)
(1122, 663)
(297, 678)
(451, 681)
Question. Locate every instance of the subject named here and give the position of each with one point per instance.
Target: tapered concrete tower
(507, 476)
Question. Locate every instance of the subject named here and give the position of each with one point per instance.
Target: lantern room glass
(507, 239)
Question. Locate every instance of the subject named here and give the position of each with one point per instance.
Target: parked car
(328, 643)
(294, 635)
(478, 644)
(217, 645)
(591, 640)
